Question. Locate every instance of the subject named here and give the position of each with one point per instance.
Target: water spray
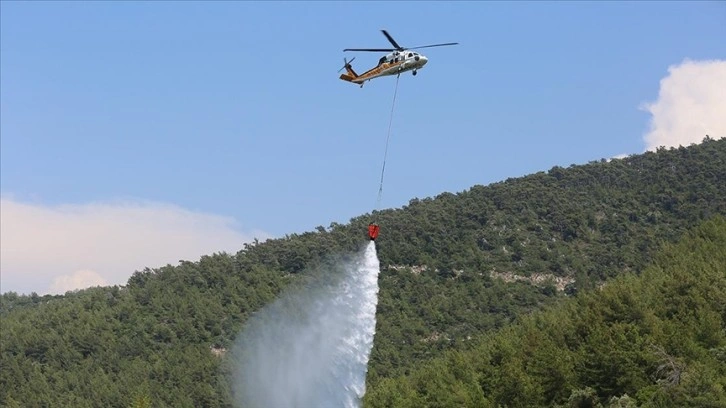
(310, 348)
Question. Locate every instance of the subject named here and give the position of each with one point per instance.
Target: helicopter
(398, 60)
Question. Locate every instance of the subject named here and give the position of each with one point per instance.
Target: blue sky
(235, 109)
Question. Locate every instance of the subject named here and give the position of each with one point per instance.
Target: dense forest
(463, 281)
(653, 339)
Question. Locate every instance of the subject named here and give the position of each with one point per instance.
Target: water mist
(310, 347)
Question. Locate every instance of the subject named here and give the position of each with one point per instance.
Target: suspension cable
(388, 137)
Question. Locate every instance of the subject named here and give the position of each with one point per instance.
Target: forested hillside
(657, 339)
(447, 263)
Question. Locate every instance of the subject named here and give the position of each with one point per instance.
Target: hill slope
(658, 339)
(165, 333)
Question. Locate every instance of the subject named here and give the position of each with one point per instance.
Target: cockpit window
(410, 54)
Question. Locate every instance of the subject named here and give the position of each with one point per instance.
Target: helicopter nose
(422, 60)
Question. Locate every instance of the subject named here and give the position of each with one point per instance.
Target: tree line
(162, 337)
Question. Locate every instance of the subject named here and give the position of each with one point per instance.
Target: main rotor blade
(395, 44)
(370, 49)
(434, 45)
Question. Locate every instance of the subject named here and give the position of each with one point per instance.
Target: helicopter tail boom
(350, 74)
(349, 78)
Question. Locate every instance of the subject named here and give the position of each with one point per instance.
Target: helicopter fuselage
(398, 60)
(401, 61)
(394, 63)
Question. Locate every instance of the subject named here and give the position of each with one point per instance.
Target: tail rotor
(346, 63)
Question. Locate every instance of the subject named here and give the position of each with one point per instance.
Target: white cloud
(691, 104)
(619, 156)
(52, 249)
(80, 279)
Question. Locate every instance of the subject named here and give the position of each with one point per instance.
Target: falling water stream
(310, 347)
